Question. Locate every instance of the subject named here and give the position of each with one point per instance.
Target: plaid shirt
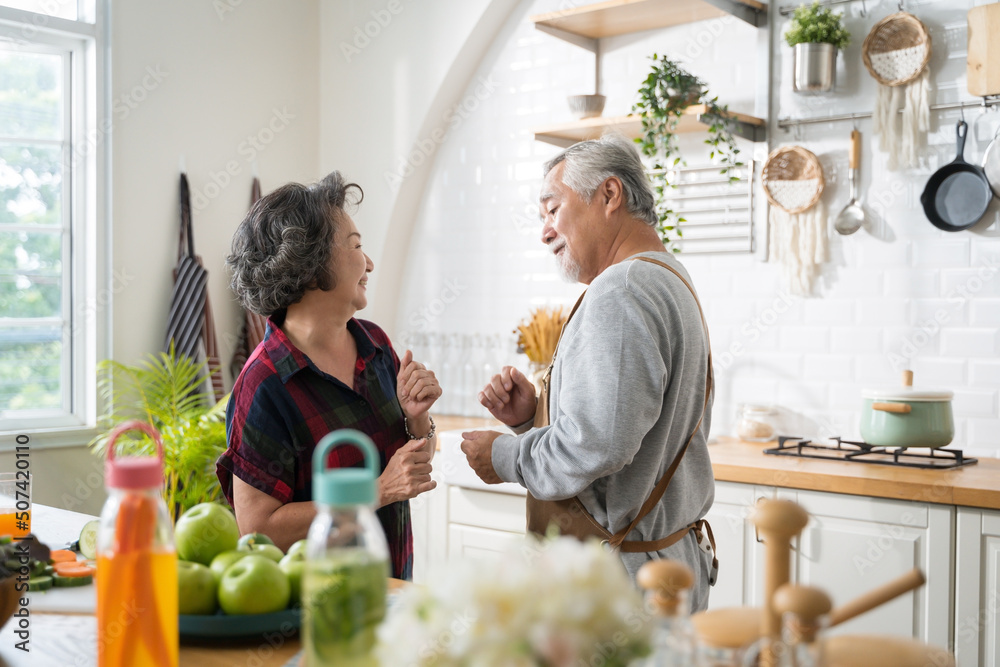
(282, 405)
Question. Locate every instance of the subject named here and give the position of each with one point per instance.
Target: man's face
(572, 228)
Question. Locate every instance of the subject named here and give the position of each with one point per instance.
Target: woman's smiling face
(350, 264)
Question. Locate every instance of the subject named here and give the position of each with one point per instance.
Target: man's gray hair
(590, 163)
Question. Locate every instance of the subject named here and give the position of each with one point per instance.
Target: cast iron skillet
(957, 195)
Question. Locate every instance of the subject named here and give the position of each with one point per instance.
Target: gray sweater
(627, 389)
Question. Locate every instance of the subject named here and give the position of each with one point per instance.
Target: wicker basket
(793, 179)
(897, 49)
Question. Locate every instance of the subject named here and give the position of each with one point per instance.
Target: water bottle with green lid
(347, 560)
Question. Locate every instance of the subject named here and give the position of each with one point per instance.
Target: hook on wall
(900, 5)
(864, 9)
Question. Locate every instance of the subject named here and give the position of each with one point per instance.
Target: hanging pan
(957, 195)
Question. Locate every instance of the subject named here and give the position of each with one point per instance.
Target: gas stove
(861, 452)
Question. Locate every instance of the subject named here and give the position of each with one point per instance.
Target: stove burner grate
(847, 450)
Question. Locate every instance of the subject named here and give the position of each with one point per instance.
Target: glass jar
(757, 423)
(137, 594)
(347, 560)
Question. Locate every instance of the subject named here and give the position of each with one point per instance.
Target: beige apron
(572, 518)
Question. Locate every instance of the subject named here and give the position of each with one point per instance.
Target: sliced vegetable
(62, 556)
(71, 581)
(88, 539)
(73, 569)
(39, 583)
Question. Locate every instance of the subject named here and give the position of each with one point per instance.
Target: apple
(250, 539)
(205, 531)
(196, 589)
(222, 561)
(297, 547)
(268, 551)
(254, 585)
(293, 565)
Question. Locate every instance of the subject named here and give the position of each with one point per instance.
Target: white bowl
(586, 106)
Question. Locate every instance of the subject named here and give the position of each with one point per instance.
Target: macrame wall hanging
(793, 183)
(896, 53)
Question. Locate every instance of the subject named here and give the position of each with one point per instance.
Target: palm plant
(163, 390)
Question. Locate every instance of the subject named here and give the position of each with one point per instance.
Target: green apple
(196, 589)
(268, 551)
(205, 531)
(250, 539)
(254, 585)
(222, 561)
(293, 565)
(297, 547)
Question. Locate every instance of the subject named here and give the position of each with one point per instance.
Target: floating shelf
(567, 134)
(619, 17)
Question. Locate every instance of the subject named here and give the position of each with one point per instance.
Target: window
(51, 165)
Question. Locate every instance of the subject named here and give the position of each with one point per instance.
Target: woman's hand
(407, 475)
(510, 397)
(416, 387)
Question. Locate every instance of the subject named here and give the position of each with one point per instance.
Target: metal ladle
(852, 218)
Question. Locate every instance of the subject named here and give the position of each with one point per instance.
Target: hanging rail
(785, 123)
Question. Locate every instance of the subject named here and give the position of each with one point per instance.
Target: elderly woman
(297, 259)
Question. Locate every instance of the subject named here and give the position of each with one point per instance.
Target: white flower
(553, 603)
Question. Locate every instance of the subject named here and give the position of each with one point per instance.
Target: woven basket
(897, 49)
(793, 179)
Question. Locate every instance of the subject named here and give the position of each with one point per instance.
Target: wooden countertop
(976, 485)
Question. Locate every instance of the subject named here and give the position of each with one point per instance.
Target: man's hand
(407, 475)
(478, 448)
(510, 397)
(416, 387)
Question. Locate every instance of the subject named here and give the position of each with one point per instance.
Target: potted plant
(163, 390)
(815, 34)
(668, 90)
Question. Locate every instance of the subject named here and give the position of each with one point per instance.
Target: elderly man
(615, 446)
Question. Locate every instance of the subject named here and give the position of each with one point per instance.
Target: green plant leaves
(814, 24)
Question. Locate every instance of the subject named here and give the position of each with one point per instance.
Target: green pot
(903, 417)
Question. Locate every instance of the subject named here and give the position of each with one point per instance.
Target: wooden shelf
(619, 17)
(567, 134)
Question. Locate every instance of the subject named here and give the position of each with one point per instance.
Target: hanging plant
(668, 90)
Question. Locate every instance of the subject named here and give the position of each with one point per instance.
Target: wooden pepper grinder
(777, 521)
(667, 583)
(805, 610)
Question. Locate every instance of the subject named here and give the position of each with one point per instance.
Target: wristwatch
(430, 434)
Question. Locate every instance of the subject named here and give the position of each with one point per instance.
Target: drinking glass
(15, 503)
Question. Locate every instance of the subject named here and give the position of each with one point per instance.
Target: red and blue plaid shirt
(282, 405)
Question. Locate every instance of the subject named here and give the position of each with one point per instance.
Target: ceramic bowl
(586, 106)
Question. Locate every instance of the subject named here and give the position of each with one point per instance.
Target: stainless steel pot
(907, 417)
(814, 67)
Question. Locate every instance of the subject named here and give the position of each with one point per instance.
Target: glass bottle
(757, 423)
(667, 584)
(347, 560)
(803, 612)
(136, 562)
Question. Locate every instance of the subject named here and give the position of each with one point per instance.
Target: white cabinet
(854, 544)
(977, 588)
(483, 524)
(740, 566)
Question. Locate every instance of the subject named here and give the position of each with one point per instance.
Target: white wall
(477, 229)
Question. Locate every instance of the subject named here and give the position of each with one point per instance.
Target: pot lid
(906, 392)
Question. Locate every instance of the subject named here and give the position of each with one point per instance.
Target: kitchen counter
(976, 485)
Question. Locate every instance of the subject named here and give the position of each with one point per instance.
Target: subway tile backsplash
(907, 296)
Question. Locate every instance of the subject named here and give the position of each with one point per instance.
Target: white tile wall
(872, 316)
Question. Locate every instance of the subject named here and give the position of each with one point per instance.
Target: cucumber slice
(88, 539)
(71, 582)
(48, 571)
(39, 583)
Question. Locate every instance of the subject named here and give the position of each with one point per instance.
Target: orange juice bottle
(136, 563)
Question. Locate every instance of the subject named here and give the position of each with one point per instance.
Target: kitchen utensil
(778, 521)
(905, 417)
(852, 218)
(983, 60)
(877, 597)
(991, 162)
(957, 195)
(896, 53)
(793, 183)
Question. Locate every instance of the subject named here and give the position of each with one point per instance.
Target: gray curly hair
(282, 247)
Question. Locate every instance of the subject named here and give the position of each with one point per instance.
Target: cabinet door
(429, 521)
(977, 588)
(740, 564)
(480, 544)
(486, 509)
(855, 544)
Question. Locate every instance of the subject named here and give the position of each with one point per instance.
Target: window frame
(87, 287)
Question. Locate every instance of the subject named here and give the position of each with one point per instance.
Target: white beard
(569, 269)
